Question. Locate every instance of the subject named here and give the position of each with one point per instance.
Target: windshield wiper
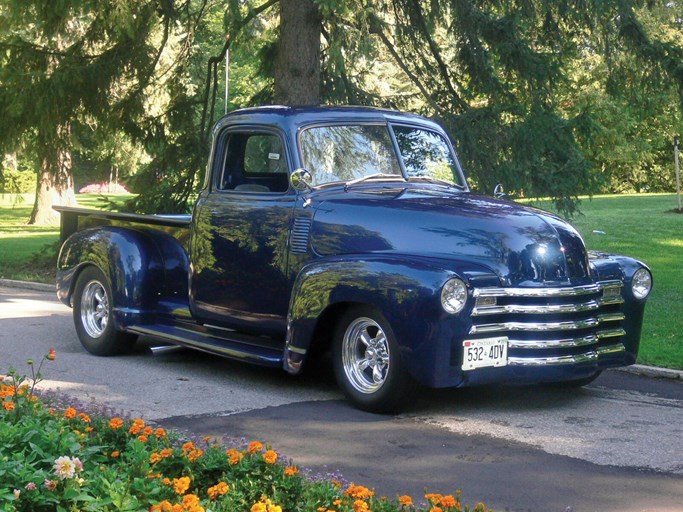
(370, 177)
(439, 181)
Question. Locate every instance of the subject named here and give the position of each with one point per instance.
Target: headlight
(641, 283)
(454, 295)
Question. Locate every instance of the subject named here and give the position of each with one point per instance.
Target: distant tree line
(552, 98)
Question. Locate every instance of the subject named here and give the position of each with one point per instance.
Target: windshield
(354, 152)
(345, 153)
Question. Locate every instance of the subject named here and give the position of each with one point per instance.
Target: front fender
(407, 292)
(141, 266)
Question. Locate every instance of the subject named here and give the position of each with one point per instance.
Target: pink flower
(50, 485)
(30, 486)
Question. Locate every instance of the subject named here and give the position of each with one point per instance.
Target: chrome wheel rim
(94, 309)
(365, 355)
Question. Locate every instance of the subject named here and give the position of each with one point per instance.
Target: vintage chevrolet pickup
(353, 230)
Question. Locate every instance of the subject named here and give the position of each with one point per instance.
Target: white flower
(65, 468)
(17, 493)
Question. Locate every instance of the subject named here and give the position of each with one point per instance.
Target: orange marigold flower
(255, 447)
(291, 470)
(142, 439)
(360, 506)
(154, 458)
(359, 492)
(160, 433)
(336, 503)
(84, 417)
(405, 501)
(181, 485)
(147, 431)
(134, 430)
(448, 501)
(436, 509)
(9, 406)
(336, 483)
(166, 453)
(259, 507)
(51, 355)
(166, 481)
(270, 457)
(188, 447)
(115, 454)
(217, 490)
(70, 413)
(434, 499)
(194, 455)
(115, 423)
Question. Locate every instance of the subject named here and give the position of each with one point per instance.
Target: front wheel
(367, 362)
(92, 310)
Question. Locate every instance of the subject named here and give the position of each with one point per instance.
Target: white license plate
(484, 353)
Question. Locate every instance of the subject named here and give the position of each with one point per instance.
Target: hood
(522, 245)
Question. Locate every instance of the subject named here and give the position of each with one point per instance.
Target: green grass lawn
(645, 227)
(29, 252)
(642, 226)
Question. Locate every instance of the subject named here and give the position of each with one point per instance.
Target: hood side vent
(301, 230)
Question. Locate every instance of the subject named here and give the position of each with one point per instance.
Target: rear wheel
(367, 362)
(92, 310)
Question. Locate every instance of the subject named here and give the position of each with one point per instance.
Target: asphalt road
(616, 445)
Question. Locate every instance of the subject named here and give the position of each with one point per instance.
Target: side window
(254, 162)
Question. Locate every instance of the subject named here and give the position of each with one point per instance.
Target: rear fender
(141, 265)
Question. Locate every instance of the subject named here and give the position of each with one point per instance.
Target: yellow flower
(405, 501)
(270, 457)
(181, 485)
(116, 423)
(259, 507)
(70, 413)
(360, 506)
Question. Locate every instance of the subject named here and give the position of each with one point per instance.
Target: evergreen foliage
(551, 98)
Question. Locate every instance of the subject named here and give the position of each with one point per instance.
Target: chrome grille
(552, 326)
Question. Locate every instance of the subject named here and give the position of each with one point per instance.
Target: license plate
(484, 353)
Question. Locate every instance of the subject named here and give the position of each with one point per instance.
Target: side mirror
(499, 192)
(301, 180)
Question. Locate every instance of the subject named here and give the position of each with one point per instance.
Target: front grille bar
(587, 357)
(581, 341)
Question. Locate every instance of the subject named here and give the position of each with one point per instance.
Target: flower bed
(56, 458)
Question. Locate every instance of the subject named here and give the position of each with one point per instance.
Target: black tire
(367, 362)
(92, 310)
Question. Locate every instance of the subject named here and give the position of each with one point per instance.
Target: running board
(226, 343)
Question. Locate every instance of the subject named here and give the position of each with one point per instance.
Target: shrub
(69, 460)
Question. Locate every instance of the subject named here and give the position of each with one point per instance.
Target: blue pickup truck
(353, 230)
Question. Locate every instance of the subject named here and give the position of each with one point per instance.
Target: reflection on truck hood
(521, 245)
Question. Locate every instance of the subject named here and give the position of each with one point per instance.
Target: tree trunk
(297, 70)
(55, 184)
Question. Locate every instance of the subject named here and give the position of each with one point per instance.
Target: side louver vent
(298, 241)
